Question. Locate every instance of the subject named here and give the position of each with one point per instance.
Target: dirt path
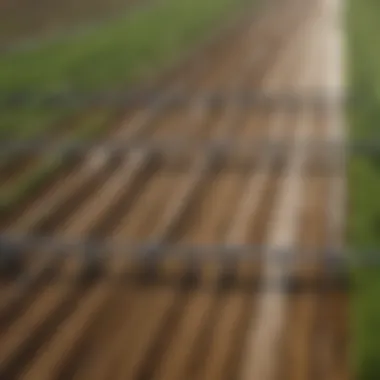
(171, 318)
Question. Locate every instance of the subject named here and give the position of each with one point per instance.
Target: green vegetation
(112, 57)
(118, 53)
(364, 183)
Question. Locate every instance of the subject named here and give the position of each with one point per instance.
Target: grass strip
(364, 183)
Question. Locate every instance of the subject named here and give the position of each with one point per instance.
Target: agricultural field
(112, 57)
(183, 263)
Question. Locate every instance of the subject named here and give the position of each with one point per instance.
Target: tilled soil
(164, 317)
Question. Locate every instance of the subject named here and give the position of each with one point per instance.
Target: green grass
(364, 183)
(118, 54)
